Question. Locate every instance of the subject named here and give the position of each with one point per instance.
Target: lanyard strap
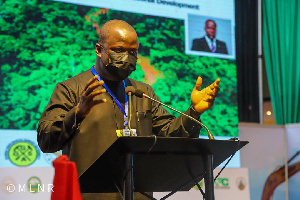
(125, 112)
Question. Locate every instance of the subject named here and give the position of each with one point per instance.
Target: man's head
(210, 29)
(117, 45)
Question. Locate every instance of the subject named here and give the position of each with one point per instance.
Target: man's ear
(98, 49)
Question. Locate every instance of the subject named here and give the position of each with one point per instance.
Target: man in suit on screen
(209, 43)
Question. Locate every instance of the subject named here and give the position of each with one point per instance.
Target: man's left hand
(204, 99)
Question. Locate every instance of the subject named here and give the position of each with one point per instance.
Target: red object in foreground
(66, 185)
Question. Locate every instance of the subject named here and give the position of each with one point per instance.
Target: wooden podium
(157, 164)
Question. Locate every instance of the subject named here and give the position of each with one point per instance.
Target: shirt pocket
(144, 117)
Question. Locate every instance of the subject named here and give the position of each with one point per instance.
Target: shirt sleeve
(58, 122)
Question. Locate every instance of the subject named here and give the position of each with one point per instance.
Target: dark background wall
(247, 60)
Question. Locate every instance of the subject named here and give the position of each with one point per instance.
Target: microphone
(141, 94)
(130, 90)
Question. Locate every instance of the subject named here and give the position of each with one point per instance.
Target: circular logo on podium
(22, 152)
(34, 184)
(241, 183)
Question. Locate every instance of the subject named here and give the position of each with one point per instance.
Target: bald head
(209, 21)
(116, 36)
(112, 26)
(210, 28)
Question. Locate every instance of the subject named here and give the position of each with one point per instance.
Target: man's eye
(133, 53)
(118, 50)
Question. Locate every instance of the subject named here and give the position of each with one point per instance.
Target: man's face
(120, 40)
(210, 29)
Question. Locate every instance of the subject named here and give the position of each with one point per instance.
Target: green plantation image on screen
(45, 42)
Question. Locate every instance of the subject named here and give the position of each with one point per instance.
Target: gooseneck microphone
(141, 94)
(129, 90)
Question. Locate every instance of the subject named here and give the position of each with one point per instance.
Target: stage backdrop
(45, 42)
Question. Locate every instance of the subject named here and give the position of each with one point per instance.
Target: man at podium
(86, 112)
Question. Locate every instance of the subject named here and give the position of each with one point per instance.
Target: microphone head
(139, 93)
(130, 89)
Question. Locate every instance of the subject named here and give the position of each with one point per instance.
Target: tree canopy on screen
(45, 42)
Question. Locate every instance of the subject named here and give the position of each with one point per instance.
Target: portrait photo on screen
(209, 36)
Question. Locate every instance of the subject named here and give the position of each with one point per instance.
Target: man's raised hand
(87, 99)
(204, 99)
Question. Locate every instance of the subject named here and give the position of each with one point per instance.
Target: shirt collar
(209, 42)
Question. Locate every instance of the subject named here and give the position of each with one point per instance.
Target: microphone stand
(210, 136)
(129, 90)
(129, 113)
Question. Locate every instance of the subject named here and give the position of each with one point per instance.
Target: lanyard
(125, 112)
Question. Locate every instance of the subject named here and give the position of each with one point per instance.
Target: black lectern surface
(170, 163)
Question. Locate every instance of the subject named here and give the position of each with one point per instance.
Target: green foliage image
(45, 42)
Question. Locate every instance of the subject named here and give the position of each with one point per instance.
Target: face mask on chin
(120, 65)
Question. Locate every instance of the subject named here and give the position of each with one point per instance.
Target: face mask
(120, 65)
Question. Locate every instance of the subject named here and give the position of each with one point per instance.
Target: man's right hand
(87, 101)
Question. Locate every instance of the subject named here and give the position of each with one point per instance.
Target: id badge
(125, 132)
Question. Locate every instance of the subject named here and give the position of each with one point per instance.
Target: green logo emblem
(22, 152)
(222, 183)
(34, 184)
